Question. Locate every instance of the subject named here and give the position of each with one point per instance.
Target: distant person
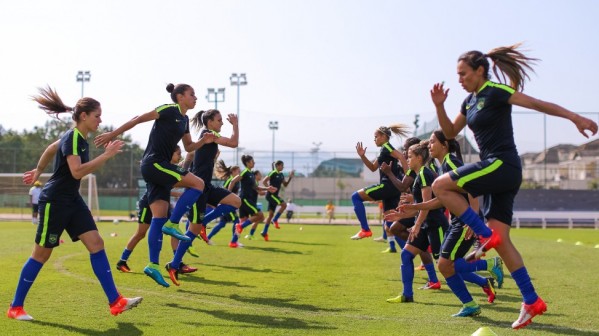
(487, 110)
(34, 196)
(63, 208)
(290, 210)
(275, 178)
(329, 208)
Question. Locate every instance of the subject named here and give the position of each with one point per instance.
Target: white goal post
(14, 195)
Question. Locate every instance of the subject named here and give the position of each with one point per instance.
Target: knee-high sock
(220, 210)
(126, 254)
(525, 285)
(101, 268)
(29, 272)
(407, 272)
(475, 222)
(155, 239)
(246, 223)
(462, 266)
(390, 239)
(360, 210)
(430, 270)
(187, 199)
(181, 249)
(474, 278)
(221, 224)
(458, 287)
(277, 215)
(265, 230)
(400, 242)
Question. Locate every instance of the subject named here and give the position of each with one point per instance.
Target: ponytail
(51, 103)
(400, 130)
(201, 118)
(453, 146)
(222, 171)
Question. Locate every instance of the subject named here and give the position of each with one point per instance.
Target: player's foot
(390, 250)
(362, 234)
(203, 235)
(468, 311)
(193, 252)
(401, 299)
(153, 272)
(172, 229)
(238, 228)
(265, 236)
(249, 237)
(173, 273)
(379, 239)
(432, 285)
(122, 266)
(496, 270)
(276, 223)
(489, 289)
(185, 269)
(235, 245)
(485, 244)
(527, 312)
(123, 304)
(18, 313)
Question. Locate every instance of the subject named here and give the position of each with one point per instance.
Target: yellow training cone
(484, 331)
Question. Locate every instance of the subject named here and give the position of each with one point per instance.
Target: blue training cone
(484, 331)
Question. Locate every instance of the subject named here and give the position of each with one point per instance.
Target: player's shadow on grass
(257, 321)
(298, 242)
(122, 328)
(273, 249)
(283, 303)
(204, 281)
(248, 269)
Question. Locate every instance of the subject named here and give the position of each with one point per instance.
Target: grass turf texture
(315, 281)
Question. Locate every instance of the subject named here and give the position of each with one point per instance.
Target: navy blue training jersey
(489, 116)
(248, 185)
(276, 178)
(424, 178)
(385, 156)
(166, 133)
(235, 188)
(62, 186)
(203, 160)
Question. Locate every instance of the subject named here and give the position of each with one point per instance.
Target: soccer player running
(171, 124)
(225, 202)
(275, 178)
(384, 191)
(231, 177)
(487, 111)
(144, 219)
(249, 211)
(457, 241)
(62, 207)
(428, 229)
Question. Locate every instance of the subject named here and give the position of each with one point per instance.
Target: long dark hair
(245, 159)
(52, 104)
(201, 118)
(507, 62)
(222, 171)
(452, 145)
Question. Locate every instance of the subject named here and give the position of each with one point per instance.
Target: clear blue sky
(328, 71)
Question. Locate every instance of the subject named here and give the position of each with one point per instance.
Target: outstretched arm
(291, 175)
(32, 175)
(450, 129)
(79, 170)
(372, 165)
(104, 138)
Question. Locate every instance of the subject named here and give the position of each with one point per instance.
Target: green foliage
(314, 281)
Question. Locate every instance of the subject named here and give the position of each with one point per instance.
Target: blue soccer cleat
(496, 270)
(153, 272)
(468, 311)
(172, 229)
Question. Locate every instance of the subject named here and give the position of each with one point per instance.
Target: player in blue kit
(224, 201)
(487, 112)
(275, 178)
(61, 206)
(171, 125)
(384, 191)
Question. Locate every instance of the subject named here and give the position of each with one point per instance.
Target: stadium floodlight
(238, 80)
(215, 96)
(273, 126)
(83, 76)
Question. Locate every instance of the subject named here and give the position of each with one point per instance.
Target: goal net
(14, 199)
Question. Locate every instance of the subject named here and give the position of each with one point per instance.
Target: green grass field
(314, 281)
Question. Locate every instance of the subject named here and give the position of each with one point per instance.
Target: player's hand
(414, 232)
(102, 139)
(584, 124)
(360, 149)
(114, 147)
(207, 138)
(439, 94)
(406, 198)
(393, 216)
(232, 118)
(385, 168)
(272, 189)
(30, 176)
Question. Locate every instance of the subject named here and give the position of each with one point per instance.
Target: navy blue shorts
(385, 192)
(160, 178)
(497, 180)
(455, 245)
(273, 201)
(431, 234)
(248, 208)
(74, 217)
(212, 196)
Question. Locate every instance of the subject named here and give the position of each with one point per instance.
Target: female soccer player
(275, 178)
(487, 111)
(385, 190)
(428, 229)
(225, 202)
(249, 211)
(144, 218)
(457, 242)
(62, 207)
(171, 124)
